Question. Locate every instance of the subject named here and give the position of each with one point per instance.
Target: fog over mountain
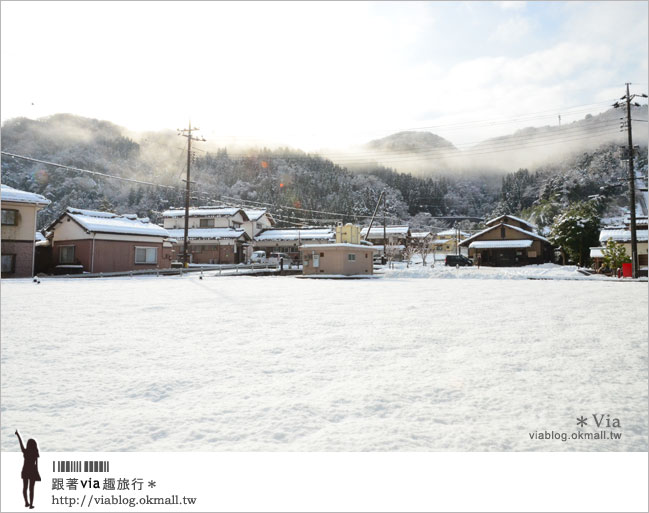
(429, 182)
(427, 154)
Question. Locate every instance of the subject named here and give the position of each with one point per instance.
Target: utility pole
(187, 132)
(385, 239)
(634, 239)
(559, 120)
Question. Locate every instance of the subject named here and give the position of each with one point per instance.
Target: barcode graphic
(79, 466)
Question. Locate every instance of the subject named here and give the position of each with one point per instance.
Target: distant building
(19, 214)
(348, 234)
(289, 240)
(337, 259)
(216, 235)
(92, 241)
(397, 238)
(259, 220)
(446, 241)
(623, 236)
(508, 241)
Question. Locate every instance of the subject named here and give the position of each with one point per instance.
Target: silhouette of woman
(30, 469)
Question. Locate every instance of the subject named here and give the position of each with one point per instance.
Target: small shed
(337, 259)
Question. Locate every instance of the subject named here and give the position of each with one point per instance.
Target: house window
(322, 254)
(8, 262)
(351, 257)
(66, 254)
(146, 255)
(207, 223)
(9, 217)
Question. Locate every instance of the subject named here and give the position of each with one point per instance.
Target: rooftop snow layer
(17, 196)
(254, 214)
(107, 222)
(622, 235)
(206, 233)
(377, 231)
(295, 234)
(202, 212)
(511, 217)
(451, 233)
(492, 244)
(419, 235)
(535, 235)
(339, 245)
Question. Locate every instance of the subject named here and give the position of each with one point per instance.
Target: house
(622, 235)
(216, 235)
(19, 214)
(397, 238)
(212, 245)
(508, 241)
(337, 258)
(289, 240)
(259, 220)
(446, 241)
(92, 241)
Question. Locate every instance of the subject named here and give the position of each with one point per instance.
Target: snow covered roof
(339, 245)
(38, 236)
(419, 235)
(206, 212)
(596, 253)
(206, 233)
(295, 234)
(500, 244)
(107, 222)
(496, 219)
(452, 233)
(17, 196)
(254, 214)
(377, 231)
(494, 227)
(622, 235)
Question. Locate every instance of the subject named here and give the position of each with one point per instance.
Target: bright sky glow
(321, 74)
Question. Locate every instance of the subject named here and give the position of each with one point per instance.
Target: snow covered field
(284, 364)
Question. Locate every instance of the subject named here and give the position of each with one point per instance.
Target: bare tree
(423, 248)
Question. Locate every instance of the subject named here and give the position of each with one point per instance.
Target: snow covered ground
(284, 364)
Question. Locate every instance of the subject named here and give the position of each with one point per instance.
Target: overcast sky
(317, 74)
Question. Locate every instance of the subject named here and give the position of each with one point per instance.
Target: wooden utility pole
(187, 132)
(629, 155)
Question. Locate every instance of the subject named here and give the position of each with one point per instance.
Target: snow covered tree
(576, 230)
(422, 248)
(615, 255)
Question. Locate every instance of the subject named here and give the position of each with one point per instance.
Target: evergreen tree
(576, 230)
(615, 255)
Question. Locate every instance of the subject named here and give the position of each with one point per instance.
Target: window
(66, 255)
(8, 262)
(351, 257)
(146, 255)
(9, 217)
(207, 223)
(322, 254)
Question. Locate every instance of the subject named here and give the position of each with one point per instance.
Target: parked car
(258, 257)
(274, 258)
(460, 260)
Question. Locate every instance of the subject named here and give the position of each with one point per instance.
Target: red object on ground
(627, 270)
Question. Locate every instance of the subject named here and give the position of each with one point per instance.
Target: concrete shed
(337, 259)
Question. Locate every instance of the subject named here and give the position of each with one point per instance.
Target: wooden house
(508, 241)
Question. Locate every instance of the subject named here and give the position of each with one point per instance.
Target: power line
(96, 173)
